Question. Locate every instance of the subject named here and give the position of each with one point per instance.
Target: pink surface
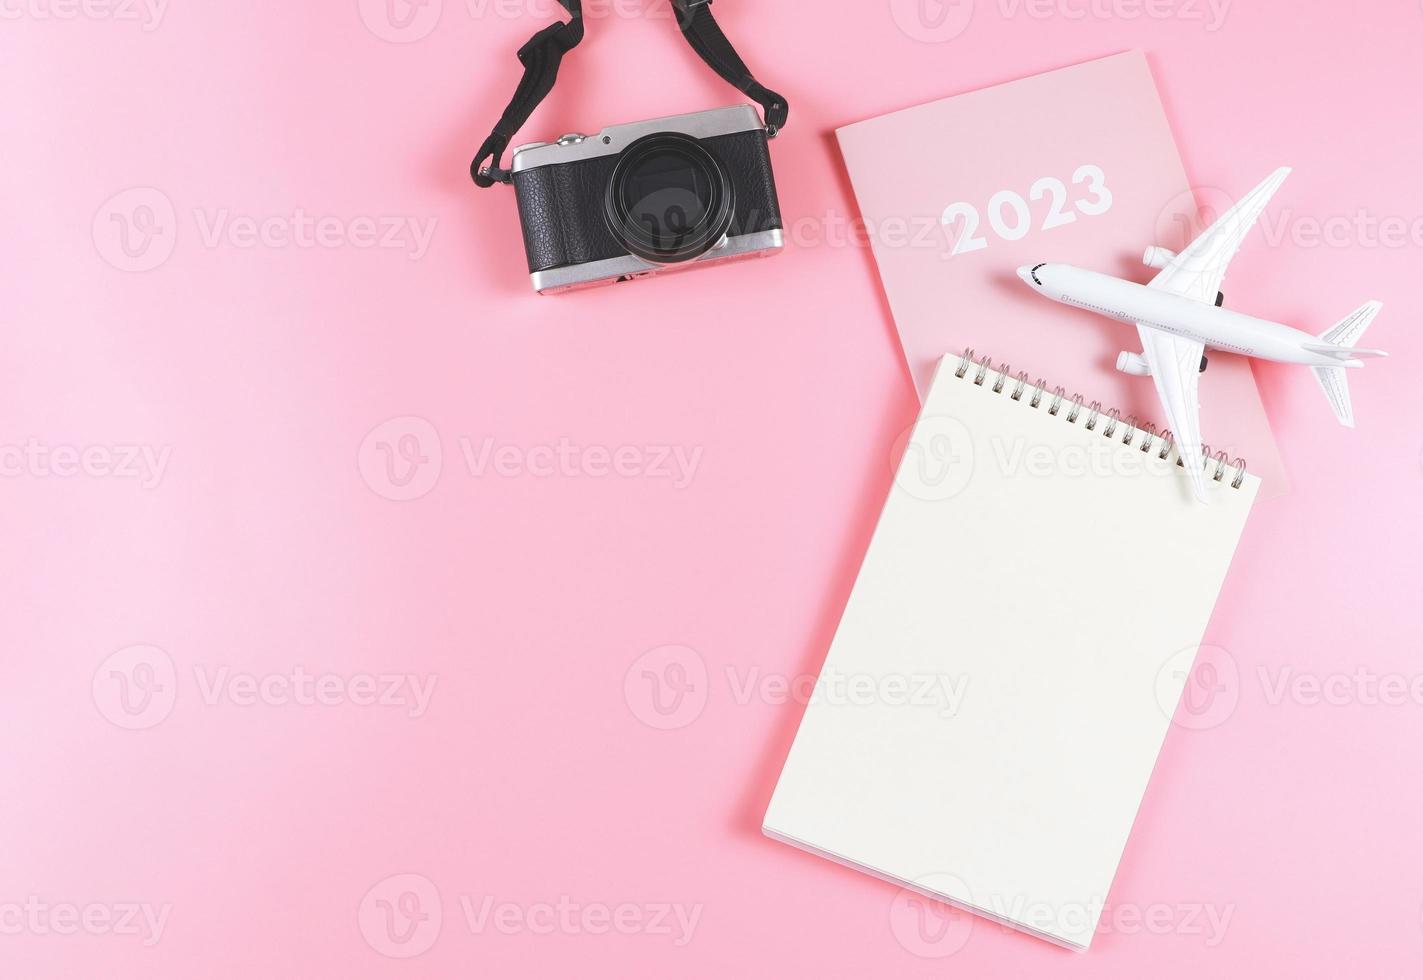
(336, 573)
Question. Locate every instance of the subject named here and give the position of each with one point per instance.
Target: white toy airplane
(1179, 314)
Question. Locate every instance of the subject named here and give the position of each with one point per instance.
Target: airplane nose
(1025, 273)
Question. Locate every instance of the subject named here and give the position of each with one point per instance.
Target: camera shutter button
(569, 139)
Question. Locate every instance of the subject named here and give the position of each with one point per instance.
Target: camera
(646, 197)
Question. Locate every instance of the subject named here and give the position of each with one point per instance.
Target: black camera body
(640, 198)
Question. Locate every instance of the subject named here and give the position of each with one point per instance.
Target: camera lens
(669, 198)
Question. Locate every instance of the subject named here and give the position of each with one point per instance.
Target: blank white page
(1003, 675)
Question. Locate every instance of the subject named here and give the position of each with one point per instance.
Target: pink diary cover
(1075, 166)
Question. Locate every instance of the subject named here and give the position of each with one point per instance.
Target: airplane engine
(1157, 257)
(1133, 364)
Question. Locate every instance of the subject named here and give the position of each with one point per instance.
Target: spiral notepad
(1006, 668)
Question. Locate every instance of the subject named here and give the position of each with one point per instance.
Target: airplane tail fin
(1346, 332)
(1338, 342)
(1335, 383)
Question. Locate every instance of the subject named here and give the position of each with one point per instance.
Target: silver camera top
(572, 147)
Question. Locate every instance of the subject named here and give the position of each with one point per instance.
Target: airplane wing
(1175, 364)
(1197, 271)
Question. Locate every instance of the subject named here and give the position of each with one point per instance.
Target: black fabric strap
(540, 57)
(707, 40)
(544, 52)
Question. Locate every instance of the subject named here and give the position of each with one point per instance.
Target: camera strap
(703, 33)
(543, 53)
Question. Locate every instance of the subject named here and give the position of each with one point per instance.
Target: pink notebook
(1075, 166)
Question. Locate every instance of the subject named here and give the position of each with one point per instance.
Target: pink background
(286, 838)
